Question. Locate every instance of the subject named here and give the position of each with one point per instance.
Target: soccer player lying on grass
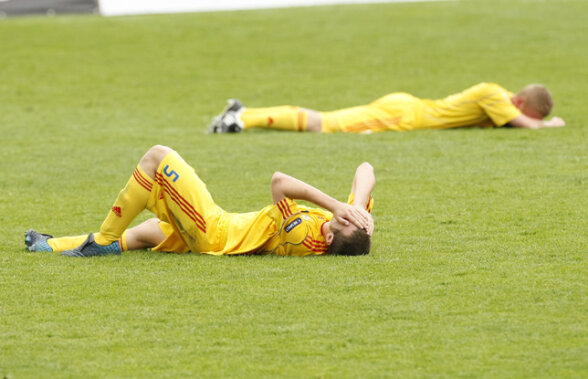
(189, 220)
(483, 105)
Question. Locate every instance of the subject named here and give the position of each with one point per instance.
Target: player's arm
(364, 182)
(526, 122)
(287, 186)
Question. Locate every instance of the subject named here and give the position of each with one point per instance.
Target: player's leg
(361, 119)
(235, 118)
(286, 117)
(133, 198)
(395, 111)
(38, 242)
(129, 203)
(184, 203)
(144, 236)
(314, 122)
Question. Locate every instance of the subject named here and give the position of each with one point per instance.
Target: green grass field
(478, 266)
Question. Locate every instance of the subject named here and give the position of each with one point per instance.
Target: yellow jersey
(285, 228)
(191, 221)
(485, 105)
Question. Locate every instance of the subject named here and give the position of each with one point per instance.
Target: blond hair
(538, 97)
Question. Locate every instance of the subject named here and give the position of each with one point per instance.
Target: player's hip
(391, 112)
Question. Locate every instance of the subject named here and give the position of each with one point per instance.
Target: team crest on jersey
(293, 224)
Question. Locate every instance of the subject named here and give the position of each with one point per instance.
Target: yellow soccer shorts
(395, 111)
(181, 200)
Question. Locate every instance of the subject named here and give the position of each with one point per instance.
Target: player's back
(484, 105)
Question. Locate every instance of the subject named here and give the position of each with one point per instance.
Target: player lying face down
(482, 105)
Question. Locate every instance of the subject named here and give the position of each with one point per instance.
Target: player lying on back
(189, 220)
(483, 105)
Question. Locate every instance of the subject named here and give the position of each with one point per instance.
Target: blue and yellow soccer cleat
(229, 121)
(37, 242)
(90, 249)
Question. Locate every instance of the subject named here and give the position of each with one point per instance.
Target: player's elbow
(277, 186)
(367, 169)
(366, 166)
(277, 178)
(278, 181)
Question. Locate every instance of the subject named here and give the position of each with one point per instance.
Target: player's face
(337, 228)
(345, 229)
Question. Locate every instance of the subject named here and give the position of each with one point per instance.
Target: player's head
(349, 241)
(534, 101)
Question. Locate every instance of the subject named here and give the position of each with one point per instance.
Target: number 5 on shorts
(169, 174)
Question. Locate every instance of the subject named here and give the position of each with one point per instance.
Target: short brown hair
(538, 97)
(356, 243)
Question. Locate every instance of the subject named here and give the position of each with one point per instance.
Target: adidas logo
(117, 211)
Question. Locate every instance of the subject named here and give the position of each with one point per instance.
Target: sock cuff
(122, 241)
(302, 120)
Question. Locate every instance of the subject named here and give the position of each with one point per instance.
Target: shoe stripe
(184, 205)
(142, 181)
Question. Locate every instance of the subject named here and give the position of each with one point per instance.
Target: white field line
(128, 7)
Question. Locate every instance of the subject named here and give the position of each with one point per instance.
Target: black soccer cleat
(229, 121)
(89, 248)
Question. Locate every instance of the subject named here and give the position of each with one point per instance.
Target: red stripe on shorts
(184, 205)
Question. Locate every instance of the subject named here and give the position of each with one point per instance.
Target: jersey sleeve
(369, 205)
(287, 208)
(496, 103)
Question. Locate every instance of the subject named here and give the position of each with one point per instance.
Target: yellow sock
(130, 202)
(285, 117)
(68, 243)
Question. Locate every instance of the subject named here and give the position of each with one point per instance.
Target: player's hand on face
(347, 213)
(370, 220)
(370, 228)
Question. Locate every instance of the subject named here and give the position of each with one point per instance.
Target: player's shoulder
(301, 225)
(486, 91)
(488, 86)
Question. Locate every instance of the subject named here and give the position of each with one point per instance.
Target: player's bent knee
(151, 160)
